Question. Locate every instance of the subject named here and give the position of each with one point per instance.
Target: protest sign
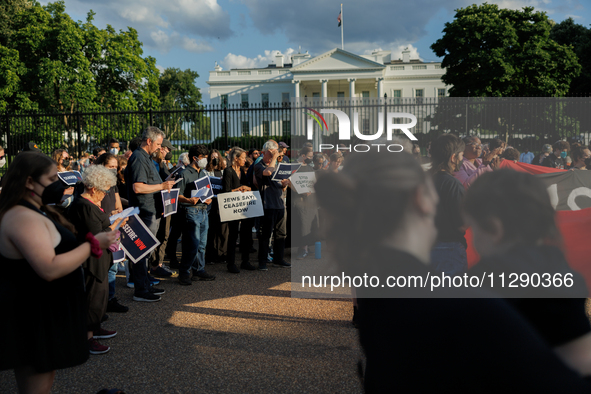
(285, 170)
(303, 182)
(170, 201)
(239, 205)
(118, 256)
(124, 214)
(203, 188)
(216, 185)
(70, 177)
(176, 174)
(136, 239)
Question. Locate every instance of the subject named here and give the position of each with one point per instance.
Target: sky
(195, 34)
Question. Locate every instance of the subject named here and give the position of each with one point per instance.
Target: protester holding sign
(274, 221)
(143, 188)
(449, 253)
(217, 239)
(234, 180)
(43, 318)
(87, 216)
(195, 224)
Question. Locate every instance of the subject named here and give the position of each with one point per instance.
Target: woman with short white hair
(86, 215)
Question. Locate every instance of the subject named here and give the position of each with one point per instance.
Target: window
(316, 94)
(286, 127)
(265, 72)
(419, 93)
(421, 67)
(440, 92)
(365, 94)
(265, 100)
(224, 100)
(265, 128)
(285, 99)
(397, 68)
(223, 73)
(245, 128)
(243, 72)
(244, 99)
(340, 94)
(396, 96)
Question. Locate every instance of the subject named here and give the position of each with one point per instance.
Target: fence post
(226, 126)
(79, 133)
(8, 147)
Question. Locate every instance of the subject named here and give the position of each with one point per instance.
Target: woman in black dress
(234, 180)
(43, 287)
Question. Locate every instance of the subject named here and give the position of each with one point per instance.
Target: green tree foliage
(8, 10)
(568, 32)
(500, 52)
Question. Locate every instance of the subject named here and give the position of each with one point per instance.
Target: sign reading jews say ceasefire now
(240, 205)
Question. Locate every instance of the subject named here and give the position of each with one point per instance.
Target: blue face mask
(563, 155)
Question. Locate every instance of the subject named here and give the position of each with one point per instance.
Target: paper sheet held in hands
(124, 214)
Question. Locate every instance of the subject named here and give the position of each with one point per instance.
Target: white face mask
(2, 162)
(114, 151)
(202, 163)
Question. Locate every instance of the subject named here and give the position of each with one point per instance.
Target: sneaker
(185, 280)
(114, 306)
(161, 272)
(263, 267)
(283, 264)
(146, 297)
(203, 275)
(156, 291)
(130, 285)
(269, 257)
(247, 266)
(101, 333)
(153, 281)
(96, 348)
(233, 269)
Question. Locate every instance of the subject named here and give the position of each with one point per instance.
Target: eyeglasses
(474, 144)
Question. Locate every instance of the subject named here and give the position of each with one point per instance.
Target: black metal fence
(522, 122)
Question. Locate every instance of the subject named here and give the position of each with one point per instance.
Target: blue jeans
(112, 277)
(449, 258)
(195, 229)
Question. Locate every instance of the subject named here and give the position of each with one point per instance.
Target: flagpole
(342, 40)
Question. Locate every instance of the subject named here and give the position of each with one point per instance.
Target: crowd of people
(68, 249)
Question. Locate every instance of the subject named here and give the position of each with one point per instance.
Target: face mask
(563, 155)
(2, 162)
(114, 151)
(168, 156)
(308, 161)
(113, 170)
(66, 163)
(215, 161)
(202, 163)
(53, 193)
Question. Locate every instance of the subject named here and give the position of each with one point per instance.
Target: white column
(351, 87)
(380, 87)
(297, 89)
(324, 88)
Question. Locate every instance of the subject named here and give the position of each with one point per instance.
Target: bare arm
(271, 167)
(142, 188)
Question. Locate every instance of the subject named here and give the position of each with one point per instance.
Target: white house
(334, 74)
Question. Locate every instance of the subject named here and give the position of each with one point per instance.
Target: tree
(500, 52)
(578, 36)
(8, 10)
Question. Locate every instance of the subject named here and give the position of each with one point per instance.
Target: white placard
(303, 182)
(240, 205)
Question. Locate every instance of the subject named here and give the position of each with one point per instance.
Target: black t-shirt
(448, 219)
(553, 161)
(140, 169)
(271, 191)
(109, 202)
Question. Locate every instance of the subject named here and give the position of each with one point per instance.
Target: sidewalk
(237, 334)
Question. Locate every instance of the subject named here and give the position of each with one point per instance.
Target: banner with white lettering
(202, 189)
(216, 185)
(70, 178)
(240, 205)
(303, 182)
(136, 239)
(170, 200)
(285, 170)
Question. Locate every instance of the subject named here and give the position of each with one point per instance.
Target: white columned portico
(351, 87)
(297, 88)
(324, 83)
(380, 82)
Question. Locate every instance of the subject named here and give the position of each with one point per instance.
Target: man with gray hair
(143, 188)
(274, 221)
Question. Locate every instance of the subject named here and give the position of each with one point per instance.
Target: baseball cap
(167, 144)
(547, 148)
(31, 146)
(283, 145)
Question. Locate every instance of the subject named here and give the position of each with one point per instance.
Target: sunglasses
(475, 145)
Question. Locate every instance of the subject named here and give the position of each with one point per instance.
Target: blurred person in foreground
(391, 233)
(44, 324)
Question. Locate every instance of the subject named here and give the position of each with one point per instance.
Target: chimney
(406, 55)
(279, 59)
